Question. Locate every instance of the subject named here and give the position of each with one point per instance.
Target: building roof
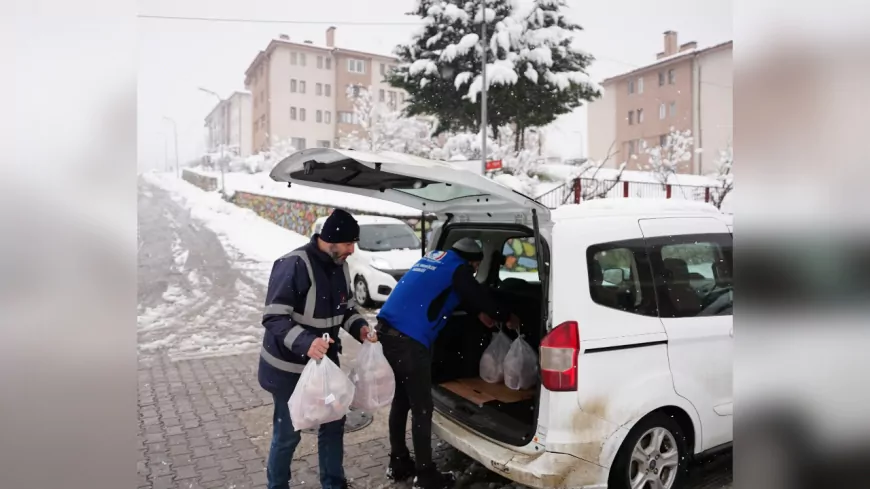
(680, 56)
(275, 43)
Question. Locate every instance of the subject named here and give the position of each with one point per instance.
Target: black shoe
(432, 479)
(400, 468)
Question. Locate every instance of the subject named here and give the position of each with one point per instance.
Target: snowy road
(194, 300)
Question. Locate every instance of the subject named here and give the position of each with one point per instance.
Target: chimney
(670, 45)
(284, 37)
(689, 46)
(330, 37)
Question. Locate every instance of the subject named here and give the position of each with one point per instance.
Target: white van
(387, 248)
(628, 302)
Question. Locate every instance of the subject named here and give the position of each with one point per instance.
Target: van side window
(693, 275)
(620, 277)
(520, 260)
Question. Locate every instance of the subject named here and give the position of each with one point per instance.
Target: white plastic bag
(373, 378)
(492, 361)
(323, 394)
(520, 365)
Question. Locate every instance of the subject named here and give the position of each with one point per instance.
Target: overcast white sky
(177, 56)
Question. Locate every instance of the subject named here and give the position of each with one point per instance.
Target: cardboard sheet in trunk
(480, 392)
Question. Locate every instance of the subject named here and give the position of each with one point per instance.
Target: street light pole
(175, 139)
(221, 162)
(483, 120)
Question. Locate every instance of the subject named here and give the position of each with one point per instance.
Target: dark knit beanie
(468, 249)
(340, 227)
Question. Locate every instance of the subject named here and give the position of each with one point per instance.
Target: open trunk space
(493, 410)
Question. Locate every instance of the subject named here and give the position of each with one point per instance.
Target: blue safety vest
(408, 307)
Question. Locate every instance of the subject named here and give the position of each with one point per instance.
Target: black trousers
(411, 363)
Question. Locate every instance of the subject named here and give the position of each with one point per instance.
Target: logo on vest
(437, 255)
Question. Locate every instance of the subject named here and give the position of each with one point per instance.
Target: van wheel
(654, 455)
(361, 292)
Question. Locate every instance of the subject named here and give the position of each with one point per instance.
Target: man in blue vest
(408, 324)
(309, 294)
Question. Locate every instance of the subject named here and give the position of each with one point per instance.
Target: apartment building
(229, 124)
(300, 91)
(686, 88)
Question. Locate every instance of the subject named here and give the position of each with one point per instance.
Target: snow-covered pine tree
(554, 79)
(443, 61)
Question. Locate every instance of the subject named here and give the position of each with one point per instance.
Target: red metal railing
(587, 188)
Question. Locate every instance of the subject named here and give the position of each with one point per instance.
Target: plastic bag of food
(520, 365)
(492, 361)
(373, 378)
(323, 394)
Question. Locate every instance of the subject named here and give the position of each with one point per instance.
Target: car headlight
(380, 264)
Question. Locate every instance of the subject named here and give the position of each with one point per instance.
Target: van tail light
(559, 350)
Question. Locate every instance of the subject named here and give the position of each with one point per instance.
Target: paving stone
(231, 464)
(185, 472)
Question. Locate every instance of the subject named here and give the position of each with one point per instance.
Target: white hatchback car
(387, 248)
(628, 302)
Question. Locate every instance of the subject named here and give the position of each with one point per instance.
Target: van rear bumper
(543, 470)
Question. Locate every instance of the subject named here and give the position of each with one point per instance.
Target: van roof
(362, 220)
(633, 207)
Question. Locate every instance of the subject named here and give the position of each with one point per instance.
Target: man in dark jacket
(309, 294)
(408, 324)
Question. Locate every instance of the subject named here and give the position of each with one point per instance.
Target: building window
(640, 116)
(640, 85)
(383, 69)
(302, 115)
(661, 78)
(294, 58)
(630, 87)
(318, 89)
(302, 59)
(356, 66)
(620, 277)
(346, 117)
(323, 144)
(630, 117)
(298, 143)
(292, 86)
(302, 86)
(327, 90)
(673, 109)
(320, 62)
(663, 140)
(672, 77)
(381, 94)
(391, 96)
(402, 97)
(327, 117)
(662, 111)
(328, 63)
(318, 116)
(292, 113)
(354, 91)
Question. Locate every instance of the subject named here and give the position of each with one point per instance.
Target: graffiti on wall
(209, 184)
(299, 216)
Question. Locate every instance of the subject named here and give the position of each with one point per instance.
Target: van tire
(622, 465)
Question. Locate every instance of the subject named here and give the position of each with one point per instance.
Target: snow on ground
(243, 233)
(261, 183)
